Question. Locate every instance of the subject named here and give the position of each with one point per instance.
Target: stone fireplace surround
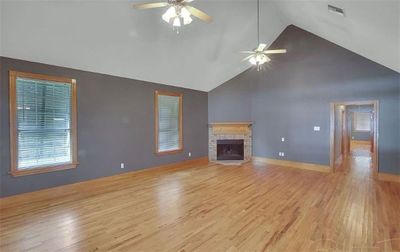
(229, 130)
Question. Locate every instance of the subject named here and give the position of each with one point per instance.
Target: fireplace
(229, 141)
(230, 149)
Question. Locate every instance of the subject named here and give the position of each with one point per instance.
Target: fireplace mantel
(229, 128)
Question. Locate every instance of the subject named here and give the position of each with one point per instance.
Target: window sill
(160, 153)
(17, 173)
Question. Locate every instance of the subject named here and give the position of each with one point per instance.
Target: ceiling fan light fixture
(178, 12)
(170, 13)
(177, 15)
(259, 59)
(259, 56)
(177, 22)
(185, 13)
(253, 60)
(166, 18)
(187, 20)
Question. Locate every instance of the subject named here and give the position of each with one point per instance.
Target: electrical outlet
(283, 154)
(189, 154)
(122, 165)
(317, 128)
(283, 139)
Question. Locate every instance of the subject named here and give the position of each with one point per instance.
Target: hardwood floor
(210, 207)
(360, 148)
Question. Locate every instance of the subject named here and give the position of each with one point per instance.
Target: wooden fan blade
(247, 52)
(275, 51)
(247, 58)
(199, 14)
(149, 5)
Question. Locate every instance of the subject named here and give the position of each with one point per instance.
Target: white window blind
(168, 123)
(43, 123)
(362, 121)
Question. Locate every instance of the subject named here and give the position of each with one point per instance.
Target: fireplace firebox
(230, 149)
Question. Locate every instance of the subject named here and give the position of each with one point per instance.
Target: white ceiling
(113, 38)
(370, 28)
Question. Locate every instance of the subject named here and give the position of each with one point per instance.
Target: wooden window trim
(13, 75)
(167, 93)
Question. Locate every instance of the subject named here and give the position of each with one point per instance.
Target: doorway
(354, 134)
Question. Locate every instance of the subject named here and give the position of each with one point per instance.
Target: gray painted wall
(115, 124)
(232, 104)
(294, 92)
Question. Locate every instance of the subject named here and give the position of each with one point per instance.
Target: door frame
(375, 111)
(343, 136)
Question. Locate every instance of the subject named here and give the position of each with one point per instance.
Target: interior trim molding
(98, 183)
(158, 93)
(339, 160)
(388, 177)
(375, 103)
(13, 76)
(294, 164)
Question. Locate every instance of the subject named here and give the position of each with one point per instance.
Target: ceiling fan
(259, 56)
(178, 12)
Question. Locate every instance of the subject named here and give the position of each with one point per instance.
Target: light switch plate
(317, 128)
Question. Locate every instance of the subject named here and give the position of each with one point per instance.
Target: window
(168, 122)
(42, 123)
(362, 121)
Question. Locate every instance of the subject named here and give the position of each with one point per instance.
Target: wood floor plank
(210, 207)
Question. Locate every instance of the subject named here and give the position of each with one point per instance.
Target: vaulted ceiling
(113, 38)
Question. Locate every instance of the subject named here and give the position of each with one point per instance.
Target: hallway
(359, 161)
